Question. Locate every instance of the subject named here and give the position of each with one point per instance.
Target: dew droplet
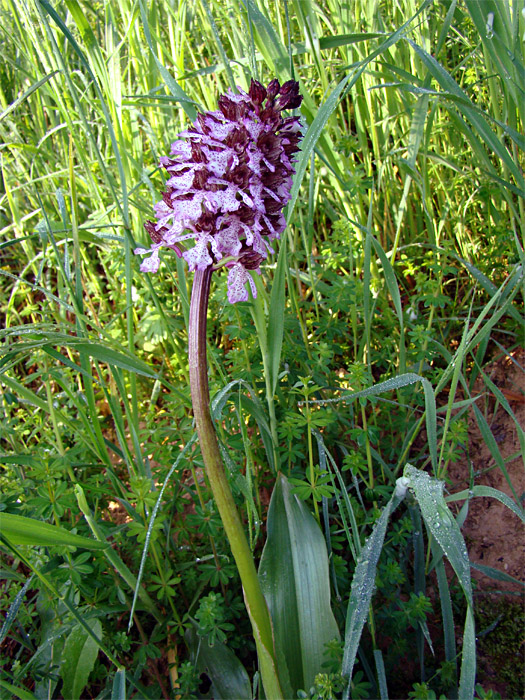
(489, 27)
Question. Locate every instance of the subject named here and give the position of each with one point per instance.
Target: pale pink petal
(237, 278)
(224, 200)
(152, 263)
(182, 182)
(199, 257)
(219, 130)
(189, 209)
(227, 241)
(181, 148)
(220, 161)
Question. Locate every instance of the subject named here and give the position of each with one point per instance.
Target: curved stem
(253, 596)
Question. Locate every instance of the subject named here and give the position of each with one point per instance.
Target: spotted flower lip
(229, 178)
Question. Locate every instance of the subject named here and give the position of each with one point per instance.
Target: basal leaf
(228, 676)
(295, 581)
(78, 659)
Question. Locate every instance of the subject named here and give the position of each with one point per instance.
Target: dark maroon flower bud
(289, 97)
(257, 92)
(273, 89)
(227, 107)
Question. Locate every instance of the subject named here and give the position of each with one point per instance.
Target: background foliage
(404, 259)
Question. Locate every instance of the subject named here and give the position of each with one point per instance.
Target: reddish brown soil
(494, 535)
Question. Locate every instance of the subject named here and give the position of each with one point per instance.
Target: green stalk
(253, 596)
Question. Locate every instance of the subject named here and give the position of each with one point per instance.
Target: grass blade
(444, 529)
(118, 690)
(172, 85)
(488, 492)
(381, 675)
(276, 317)
(311, 137)
(363, 585)
(28, 531)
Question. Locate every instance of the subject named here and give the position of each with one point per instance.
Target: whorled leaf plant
(230, 176)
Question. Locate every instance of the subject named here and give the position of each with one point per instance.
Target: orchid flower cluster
(230, 175)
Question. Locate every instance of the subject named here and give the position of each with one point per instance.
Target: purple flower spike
(230, 176)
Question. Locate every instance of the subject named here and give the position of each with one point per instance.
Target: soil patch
(493, 534)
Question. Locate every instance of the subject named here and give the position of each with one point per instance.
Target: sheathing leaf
(295, 581)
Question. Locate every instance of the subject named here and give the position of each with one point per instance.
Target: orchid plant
(230, 177)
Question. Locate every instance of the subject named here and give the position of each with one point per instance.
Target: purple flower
(230, 176)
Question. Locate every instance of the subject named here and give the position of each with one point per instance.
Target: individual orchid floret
(229, 178)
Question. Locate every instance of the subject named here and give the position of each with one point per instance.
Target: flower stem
(253, 596)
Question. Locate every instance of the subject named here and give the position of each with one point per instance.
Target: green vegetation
(501, 624)
(399, 277)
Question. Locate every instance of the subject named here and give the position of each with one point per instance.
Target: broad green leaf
(295, 581)
(444, 529)
(21, 530)
(228, 677)
(78, 659)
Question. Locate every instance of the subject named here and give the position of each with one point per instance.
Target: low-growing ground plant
(239, 485)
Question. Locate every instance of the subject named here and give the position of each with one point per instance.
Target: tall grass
(400, 274)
